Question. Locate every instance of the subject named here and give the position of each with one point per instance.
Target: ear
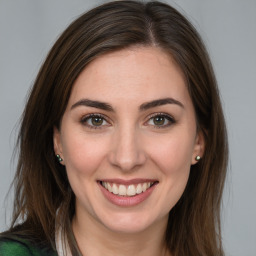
(57, 143)
(199, 147)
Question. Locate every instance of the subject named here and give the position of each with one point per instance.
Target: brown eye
(97, 121)
(161, 121)
(94, 121)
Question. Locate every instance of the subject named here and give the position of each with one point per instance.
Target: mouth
(127, 189)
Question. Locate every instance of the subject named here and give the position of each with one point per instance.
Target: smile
(127, 190)
(127, 193)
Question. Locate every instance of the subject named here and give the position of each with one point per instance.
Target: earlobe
(198, 148)
(57, 145)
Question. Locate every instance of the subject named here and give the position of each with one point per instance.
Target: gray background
(28, 29)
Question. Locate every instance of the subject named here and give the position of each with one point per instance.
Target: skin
(128, 144)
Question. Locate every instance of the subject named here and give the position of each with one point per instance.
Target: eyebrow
(160, 102)
(94, 104)
(143, 107)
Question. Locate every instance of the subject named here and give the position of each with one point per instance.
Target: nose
(127, 151)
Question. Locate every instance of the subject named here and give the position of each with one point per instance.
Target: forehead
(143, 72)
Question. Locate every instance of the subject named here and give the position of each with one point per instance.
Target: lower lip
(126, 201)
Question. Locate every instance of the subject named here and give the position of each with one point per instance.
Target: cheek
(173, 157)
(173, 153)
(83, 154)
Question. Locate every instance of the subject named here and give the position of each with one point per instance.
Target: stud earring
(59, 158)
(197, 158)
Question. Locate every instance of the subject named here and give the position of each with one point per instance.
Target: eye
(160, 120)
(94, 121)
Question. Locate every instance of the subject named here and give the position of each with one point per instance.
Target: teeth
(139, 189)
(109, 188)
(115, 189)
(123, 190)
(131, 190)
(144, 187)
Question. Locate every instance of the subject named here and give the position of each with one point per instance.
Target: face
(128, 138)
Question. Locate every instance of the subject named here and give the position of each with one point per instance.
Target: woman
(123, 146)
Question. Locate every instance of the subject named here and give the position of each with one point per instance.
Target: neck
(94, 239)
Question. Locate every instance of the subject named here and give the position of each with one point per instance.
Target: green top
(15, 246)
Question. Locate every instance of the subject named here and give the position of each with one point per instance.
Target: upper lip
(127, 182)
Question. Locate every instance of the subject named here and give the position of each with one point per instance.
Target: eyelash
(85, 119)
(167, 117)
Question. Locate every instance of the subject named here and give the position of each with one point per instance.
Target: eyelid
(170, 118)
(85, 118)
(91, 115)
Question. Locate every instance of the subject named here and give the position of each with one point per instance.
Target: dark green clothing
(15, 246)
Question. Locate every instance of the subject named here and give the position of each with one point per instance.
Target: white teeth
(144, 187)
(139, 189)
(104, 184)
(122, 190)
(115, 189)
(109, 188)
(130, 190)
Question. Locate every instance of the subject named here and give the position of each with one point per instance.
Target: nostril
(126, 151)
(127, 160)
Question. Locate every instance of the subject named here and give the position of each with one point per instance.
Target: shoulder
(14, 245)
(11, 246)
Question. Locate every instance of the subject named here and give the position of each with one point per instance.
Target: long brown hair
(41, 184)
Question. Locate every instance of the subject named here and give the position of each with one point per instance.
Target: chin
(131, 223)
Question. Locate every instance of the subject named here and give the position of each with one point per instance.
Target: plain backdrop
(28, 28)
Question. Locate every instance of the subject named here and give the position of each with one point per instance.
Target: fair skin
(144, 136)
